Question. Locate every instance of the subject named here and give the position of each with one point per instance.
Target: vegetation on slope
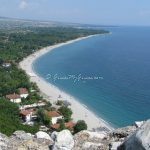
(9, 119)
(15, 46)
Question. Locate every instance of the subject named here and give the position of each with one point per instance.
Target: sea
(110, 74)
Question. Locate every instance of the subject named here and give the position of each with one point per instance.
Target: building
(23, 92)
(6, 65)
(28, 115)
(35, 105)
(69, 125)
(15, 98)
(55, 116)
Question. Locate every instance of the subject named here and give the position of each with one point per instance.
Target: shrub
(66, 112)
(81, 125)
(43, 118)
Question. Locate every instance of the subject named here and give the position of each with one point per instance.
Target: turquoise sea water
(120, 63)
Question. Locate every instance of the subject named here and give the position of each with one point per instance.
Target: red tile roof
(13, 96)
(55, 126)
(68, 125)
(23, 91)
(53, 114)
(27, 111)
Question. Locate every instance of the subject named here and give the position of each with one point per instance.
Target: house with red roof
(69, 125)
(15, 98)
(23, 92)
(55, 116)
(28, 115)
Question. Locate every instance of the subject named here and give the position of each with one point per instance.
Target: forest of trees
(15, 46)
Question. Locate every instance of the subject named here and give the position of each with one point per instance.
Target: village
(37, 110)
(50, 118)
(29, 114)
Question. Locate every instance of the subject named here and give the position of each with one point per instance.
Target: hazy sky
(108, 12)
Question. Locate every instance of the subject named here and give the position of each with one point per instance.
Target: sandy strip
(80, 111)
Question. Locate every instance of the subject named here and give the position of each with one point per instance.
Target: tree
(48, 106)
(62, 125)
(59, 103)
(1, 61)
(46, 119)
(81, 125)
(66, 112)
(43, 117)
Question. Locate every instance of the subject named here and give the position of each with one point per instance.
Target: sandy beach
(80, 111)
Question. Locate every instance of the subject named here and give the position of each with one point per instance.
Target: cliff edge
(135, 137)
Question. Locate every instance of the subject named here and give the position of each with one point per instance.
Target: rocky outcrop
(140, 140)
(86, 140)
(63, 140)
(23, 141)
(123, 132)
(127, 138)
(3, 142)
(54, 135)
(90, 140)
(43, 135)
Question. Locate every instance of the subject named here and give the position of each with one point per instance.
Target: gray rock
(89, 135)
(43, 135)
(54, 135)
(25, 141)
(3, 141)
(139, 123)
(30, 145)
(115, 145)
(64, 141)
(90, 140)
(21, 135)
(140, 140)
(123, 132)
(92, 146)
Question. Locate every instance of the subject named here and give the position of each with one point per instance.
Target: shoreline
(51, 92)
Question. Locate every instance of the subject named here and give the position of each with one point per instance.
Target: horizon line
(75, 23)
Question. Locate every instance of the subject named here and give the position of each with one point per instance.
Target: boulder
(90, 140)
(89, 135)
(140, 140)
(64, 141)
(21, 135)
(25, 141)
(91, 146)
(115, 145)
(123, 132)
(94, 135)
(32, 145)
(3, 141)
(54, 135)
(43, 135)
(139, 123)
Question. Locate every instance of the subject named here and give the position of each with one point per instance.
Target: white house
(55, 116)
(28, 115)
(23, 92)
(15, 98)
(6, 65)
(39, 104)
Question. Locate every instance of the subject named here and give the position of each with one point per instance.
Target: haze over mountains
(9, 23)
